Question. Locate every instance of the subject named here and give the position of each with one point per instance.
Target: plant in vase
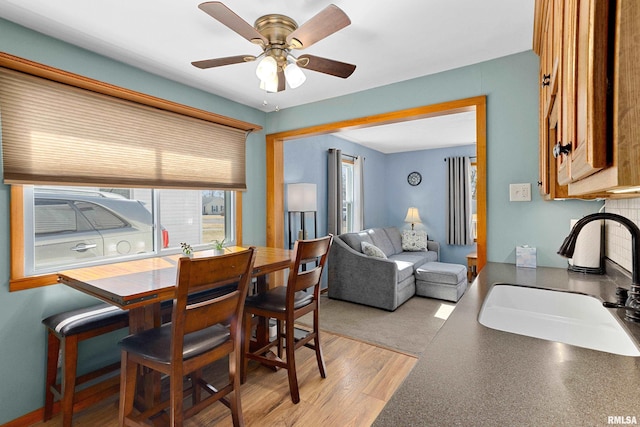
(218, 246)
(187, 250)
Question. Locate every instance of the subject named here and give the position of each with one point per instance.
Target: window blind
(54, 133)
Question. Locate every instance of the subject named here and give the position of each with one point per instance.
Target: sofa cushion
(372, 250)
(414, 240)
(395, 237)
(405, 269)
(442, 272)
(354, 240)
(381, 240)
(415, 258)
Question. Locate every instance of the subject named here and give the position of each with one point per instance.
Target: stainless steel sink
(565, 317)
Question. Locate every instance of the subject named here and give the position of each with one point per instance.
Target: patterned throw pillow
(414, 240)
(372, 250)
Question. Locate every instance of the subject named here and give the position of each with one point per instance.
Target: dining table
(141, 285)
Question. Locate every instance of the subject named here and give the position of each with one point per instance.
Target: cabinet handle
(546, 79)
(560, 149)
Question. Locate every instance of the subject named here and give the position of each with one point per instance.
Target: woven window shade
(53, 133)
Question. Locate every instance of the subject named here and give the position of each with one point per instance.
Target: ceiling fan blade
(322, 25)
(326, 66)
(227, 17)
(219, 62)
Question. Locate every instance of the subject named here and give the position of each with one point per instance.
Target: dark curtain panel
(459, 201)
(334, 192)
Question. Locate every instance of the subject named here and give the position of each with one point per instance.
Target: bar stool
(65, 330)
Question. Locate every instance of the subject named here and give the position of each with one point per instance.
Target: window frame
(346, 202)
(18, 280)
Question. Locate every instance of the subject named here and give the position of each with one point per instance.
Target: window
(185, 162)
(67, 227)
(347, 197)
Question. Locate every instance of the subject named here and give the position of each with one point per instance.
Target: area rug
(409, 329)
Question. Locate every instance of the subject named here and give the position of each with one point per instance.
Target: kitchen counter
(471, 375)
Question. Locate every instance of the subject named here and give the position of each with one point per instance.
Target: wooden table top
(137, 283)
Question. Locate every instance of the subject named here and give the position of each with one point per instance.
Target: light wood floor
(361, 378)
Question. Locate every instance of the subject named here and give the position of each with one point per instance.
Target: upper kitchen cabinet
(581, 121)
(548, 44)
(622, 174)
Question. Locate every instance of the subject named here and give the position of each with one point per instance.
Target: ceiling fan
(278, 35)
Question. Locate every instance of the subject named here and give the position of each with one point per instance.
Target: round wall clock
(414, 178)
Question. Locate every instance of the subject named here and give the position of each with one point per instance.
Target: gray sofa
(378, 282)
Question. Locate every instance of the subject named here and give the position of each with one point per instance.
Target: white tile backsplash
(617, 238)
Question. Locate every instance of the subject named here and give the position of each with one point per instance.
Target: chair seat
(85, 319)
(276, 299)
(155, 344)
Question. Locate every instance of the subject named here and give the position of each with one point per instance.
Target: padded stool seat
(441, 280)
(68, 329)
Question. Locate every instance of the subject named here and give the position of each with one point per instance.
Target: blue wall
(511, 87)
(305, 160)
(387, 194)
(22, 336)
(430, 197)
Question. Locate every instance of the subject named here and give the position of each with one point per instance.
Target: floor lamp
(302, 199)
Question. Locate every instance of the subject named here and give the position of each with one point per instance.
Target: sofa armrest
(434, 246)
(356, 277)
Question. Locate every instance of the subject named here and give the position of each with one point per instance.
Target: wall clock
(414, 178)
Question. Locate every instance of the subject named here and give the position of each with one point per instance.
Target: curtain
(358, 193)
(334, 192)
(459, 201)
(53, 133)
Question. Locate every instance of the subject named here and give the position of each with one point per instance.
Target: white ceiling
(388, 42)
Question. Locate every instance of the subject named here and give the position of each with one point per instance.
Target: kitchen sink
(565, 317)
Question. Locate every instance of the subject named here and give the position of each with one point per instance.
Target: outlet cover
(520, 192)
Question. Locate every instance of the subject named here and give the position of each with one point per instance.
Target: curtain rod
(470, 157)
(343, 154)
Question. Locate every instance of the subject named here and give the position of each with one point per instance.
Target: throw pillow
(372, 250)
(414, 240)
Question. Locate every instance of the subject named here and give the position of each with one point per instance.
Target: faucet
(632, 304)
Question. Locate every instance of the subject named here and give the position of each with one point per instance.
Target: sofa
(382, 282)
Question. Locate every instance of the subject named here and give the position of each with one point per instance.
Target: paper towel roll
(588, 245)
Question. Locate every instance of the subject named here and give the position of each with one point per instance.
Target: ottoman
(441, 280)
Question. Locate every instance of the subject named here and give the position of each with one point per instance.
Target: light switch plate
(520, 192)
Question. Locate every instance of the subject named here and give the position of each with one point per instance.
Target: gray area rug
(409, 329)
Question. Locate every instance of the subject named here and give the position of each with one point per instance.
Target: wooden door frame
(275, 160)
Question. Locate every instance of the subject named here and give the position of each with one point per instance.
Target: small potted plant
(218, 246)
(187, 250)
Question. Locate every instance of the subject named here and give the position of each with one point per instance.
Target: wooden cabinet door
(568, 84)
(589, 143)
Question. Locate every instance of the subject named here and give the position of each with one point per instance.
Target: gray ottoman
(441, 280)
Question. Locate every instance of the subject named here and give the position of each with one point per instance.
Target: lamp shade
(267, 68)
(413, 216)
(294, 75)
(301, 197)
(270, 85)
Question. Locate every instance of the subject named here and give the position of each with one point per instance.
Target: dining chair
(285, 304)
(65, 331)
(201, 331)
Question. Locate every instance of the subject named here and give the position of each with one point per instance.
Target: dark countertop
(471, 375)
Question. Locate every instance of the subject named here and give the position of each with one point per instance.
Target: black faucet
(632, 305)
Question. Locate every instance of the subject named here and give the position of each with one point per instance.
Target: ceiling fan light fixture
(267, 69)
(270, 85)
(294, 75)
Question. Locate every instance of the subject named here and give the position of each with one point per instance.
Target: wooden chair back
(307, 252)
(204, 276)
